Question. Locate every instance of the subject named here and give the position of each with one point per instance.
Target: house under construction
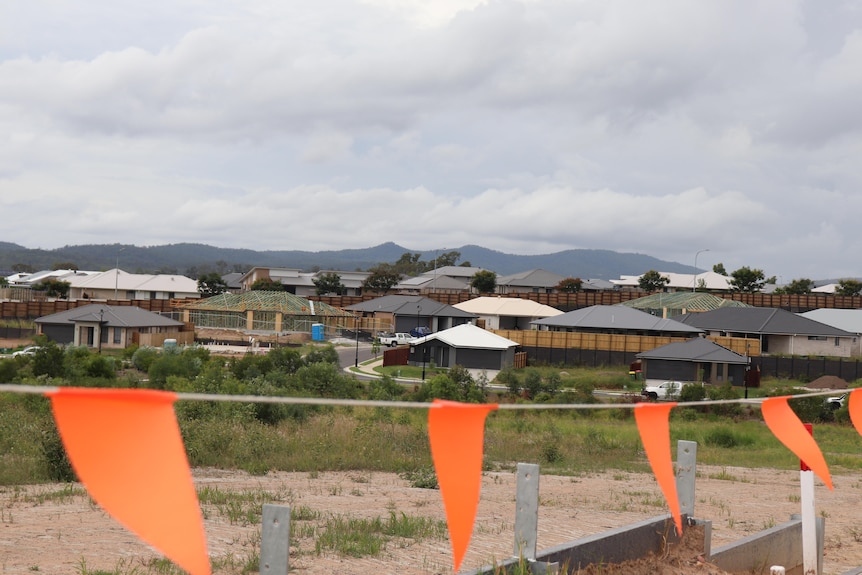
(262, 313)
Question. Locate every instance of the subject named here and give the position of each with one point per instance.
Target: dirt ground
(42, 530)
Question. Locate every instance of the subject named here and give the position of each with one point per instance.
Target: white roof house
(507, 312)
(117, 284)
(710, 281)
(476, 349)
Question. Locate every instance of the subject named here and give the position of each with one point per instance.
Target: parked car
(663, 390)
(420, 331)
(29, 350)
(836, 402)
(393, 339)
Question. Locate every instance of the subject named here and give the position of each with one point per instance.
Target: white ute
(663, 390)
(393, 339)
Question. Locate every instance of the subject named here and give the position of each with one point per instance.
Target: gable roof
(117, 278)
(710, 279)
(847, 319)
(696, 349)
(531, 278)
(110, 315)
(470, 336)
(507, 306)
(409, 305)
(615, 317)
(761, 320)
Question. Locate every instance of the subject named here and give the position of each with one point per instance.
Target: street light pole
(694, 279)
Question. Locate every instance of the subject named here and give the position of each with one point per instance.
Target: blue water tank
(317, 333)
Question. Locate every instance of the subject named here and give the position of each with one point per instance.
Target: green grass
(368, 537)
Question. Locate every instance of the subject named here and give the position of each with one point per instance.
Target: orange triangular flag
(787, 427)
(854, 406)
(654, 428)
(126, 447)
(456, 432)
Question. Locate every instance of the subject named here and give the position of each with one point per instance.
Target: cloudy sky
(533, 126)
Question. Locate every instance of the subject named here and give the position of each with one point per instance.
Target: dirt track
(60, 535)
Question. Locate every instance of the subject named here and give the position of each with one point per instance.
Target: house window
(837, 342)
(117, 335)
(130, 294)
(818, 338)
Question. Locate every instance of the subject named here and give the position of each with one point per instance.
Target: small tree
(653, 281)
(328, 283)
(53, 287)
(848, 287)
(484, 281)
(747, 280)
(569, 285)
(382, 279)
(267, 284)
(798, 287)
(719, 269)
(211, 284)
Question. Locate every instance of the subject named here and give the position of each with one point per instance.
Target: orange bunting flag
(654, 428)
(854, 405)
(789, 429)
(126, 448)
(457, 432)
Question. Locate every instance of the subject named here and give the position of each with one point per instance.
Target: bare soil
(43, 532)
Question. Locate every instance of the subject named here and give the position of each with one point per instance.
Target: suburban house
(779, 332)
(233, 281)
(402, 313)
(111, 326)
(445, 279)
(677, 303)
(706, 281)
(616, 319)
(116, 284)
(298, 282)
(850, 320)
(32, 279)
(695, 360)
(532, 281)
(466, 345)
(506, 312)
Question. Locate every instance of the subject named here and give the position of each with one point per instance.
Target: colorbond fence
(568, 302)
(615, 342)
(36, 309)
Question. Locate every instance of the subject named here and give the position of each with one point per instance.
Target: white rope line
(43, 389)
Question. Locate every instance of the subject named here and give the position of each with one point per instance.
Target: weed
(423, 478)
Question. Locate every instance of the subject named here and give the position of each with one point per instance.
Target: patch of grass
(239, 507)
(353, 537)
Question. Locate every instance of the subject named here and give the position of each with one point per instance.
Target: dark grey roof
(615, 317)
(760, 320)
(696, 349)
(232, 280)
(110, 315)
(531, 278)
(409, 305)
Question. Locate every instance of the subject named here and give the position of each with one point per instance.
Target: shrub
(143, 357)
(692, 393)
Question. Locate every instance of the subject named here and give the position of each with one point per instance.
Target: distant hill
(194, 259)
